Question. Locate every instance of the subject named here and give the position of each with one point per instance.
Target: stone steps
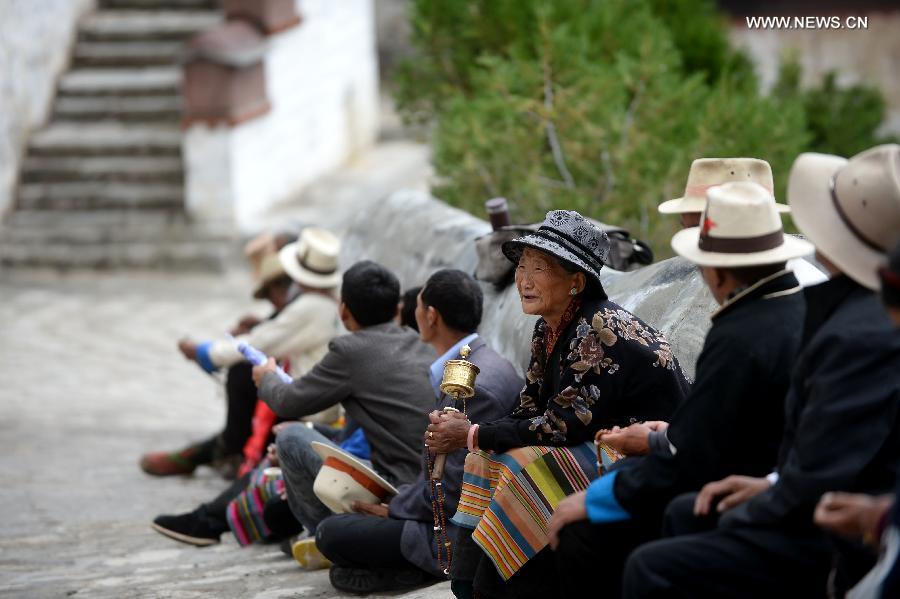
(152, 25)
(159, 4)
(102, 186)
(93, 195)
(207, 255)
(121, 238)
(148, 169)
(140, 109)
(147, 81)
(127, 53)
(105, 138)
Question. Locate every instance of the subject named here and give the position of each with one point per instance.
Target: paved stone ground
(91, 379)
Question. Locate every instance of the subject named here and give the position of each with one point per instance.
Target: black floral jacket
(608, 368)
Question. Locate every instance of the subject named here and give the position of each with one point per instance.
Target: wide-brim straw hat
(850, 209)
(740, 227)
(706, 173)
(270, 268)
(343, 479)
(313, 259)
(568, 236)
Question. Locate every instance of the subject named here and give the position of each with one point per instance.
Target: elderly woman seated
(593, 365)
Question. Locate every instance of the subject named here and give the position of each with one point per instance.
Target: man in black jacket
(390, 546)
(733, 417)
(842, 411)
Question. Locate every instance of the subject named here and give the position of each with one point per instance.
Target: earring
(574, 291)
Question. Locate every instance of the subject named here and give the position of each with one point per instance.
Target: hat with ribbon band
(740, 227)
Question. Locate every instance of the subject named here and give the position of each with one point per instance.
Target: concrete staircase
(102, 184)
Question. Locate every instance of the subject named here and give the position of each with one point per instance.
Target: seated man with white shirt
(386, 547)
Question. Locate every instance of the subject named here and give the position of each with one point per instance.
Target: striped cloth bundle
(508, 498)
(245, 512)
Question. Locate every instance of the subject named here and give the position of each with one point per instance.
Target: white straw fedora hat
(709, 172)
(849, 209)
(313, 259)
(344, 479)
(740, 227)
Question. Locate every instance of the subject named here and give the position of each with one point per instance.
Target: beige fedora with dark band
(740, 227)
(343, 479)
(706, 173)
(850, 209)
(313, 260)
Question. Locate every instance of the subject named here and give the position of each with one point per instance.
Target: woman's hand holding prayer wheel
(447, 431)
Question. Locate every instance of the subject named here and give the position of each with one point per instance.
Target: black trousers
(680, 520)
(731, 562)
(214, 512)
(593, 555)
(362, 541)
(276, 513)
(241, 392)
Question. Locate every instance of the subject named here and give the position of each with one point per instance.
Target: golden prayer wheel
(459, 383)
(459, 376)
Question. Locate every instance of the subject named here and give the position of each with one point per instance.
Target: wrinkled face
(543, 285)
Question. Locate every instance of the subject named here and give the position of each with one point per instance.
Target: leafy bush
(594, 105)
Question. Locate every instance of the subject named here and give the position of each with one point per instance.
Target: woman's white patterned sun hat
(568, 236)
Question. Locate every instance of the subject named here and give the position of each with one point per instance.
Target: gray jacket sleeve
(327, 384)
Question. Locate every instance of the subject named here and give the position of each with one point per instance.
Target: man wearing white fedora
(299, 330)
(842, 417)
(706, 173)
(732, 420)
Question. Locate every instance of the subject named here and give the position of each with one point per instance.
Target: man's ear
(432, 316)
(720, 276)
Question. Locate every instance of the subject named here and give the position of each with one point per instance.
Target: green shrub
(596, 106)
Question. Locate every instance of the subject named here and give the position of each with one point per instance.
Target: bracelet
(470, 438)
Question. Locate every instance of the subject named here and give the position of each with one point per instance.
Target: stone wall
(322, 83)
(414, 235)
(35, 39)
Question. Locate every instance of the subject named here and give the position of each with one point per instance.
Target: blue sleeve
(203, 358)
(601, 502)
(358, 445)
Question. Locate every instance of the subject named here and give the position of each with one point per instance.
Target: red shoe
(163, 463)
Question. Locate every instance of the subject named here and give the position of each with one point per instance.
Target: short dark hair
(748, 275)
(408, 308)
(371, 293)
(457, 298)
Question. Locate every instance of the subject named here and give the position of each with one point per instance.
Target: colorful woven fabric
(508, 498)
(245, 512)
